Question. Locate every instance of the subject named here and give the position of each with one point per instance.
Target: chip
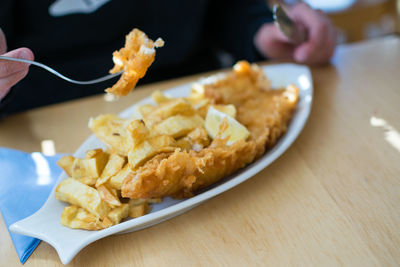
(84, 196)
(113, 166)
(178, 125)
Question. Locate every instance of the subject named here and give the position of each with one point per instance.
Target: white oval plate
(45, 223)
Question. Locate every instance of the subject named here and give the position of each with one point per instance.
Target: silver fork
(294, 32)
(101, 79)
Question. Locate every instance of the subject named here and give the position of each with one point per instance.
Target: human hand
(12, 72)
(318, 48)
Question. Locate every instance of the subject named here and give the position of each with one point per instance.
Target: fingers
(9, 67)
(321, 41)
(9, 81)
(319, 47)
(12, 72)
(272, 43)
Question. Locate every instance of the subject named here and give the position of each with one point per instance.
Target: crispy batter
(264, 112)
(181, 173)
(134, 59)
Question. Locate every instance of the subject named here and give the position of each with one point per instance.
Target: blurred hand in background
(319, 47)
(12, 72)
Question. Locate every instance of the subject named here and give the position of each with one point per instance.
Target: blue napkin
(26, 181)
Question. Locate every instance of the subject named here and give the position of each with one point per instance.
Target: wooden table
(332, 199)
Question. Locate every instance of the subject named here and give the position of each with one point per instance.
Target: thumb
(23, 53)
(12, 72)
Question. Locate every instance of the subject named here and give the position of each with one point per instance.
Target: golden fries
(116, 181)
(77, 193)
(178, 125)
(119, 213)
(114, 165)
(78, 218)
(138, 209)
(111, 130)
(108, 195)
(149, 148)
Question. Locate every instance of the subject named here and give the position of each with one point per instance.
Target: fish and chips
(176, 146)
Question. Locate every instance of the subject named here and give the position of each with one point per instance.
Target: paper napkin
(26, 180)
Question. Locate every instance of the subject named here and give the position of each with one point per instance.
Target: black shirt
(79, 43)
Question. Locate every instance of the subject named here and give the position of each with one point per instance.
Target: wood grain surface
(332, 199)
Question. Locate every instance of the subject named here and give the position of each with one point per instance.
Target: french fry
(112, 131)
(89, 167)
(116, 180)
(66, 162)
(197, 92)
(198, 100)
(93, 153)
(114, 165)
(178, 125)
(146, 109)
(201, 106)
(159, 97)
(138, 130)
(227, 109)
(140, 154)
(198, 138)
(108, 196)
(84, 196)
(138, 210)
(136, 201)
(170, 108)
(78, 218)
(107, 222)
(119, 213)
(90, 181)
(149, 148)
(87, 170)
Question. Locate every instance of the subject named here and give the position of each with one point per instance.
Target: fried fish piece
(181, 173)
(265, 113)
(134, 59)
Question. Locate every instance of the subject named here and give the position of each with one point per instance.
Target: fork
(101, 79)
(294, 32)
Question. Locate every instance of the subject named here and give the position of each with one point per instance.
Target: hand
(318, 48)
(12, 72)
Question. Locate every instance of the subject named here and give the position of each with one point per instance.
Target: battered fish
(266, 114)
(134, 59)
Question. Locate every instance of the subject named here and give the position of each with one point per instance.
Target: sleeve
(233, 24)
